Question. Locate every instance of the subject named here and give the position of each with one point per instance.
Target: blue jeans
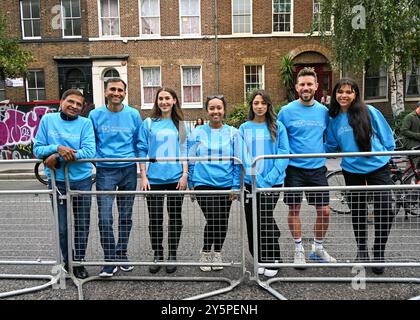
(81, 215)
(111, 179)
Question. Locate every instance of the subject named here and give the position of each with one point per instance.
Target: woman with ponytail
(357, 127)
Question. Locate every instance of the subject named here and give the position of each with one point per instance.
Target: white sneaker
(205, 258)
(299, 257)
(321, 255)
(270, 272)
(261, 270)
(217, 258)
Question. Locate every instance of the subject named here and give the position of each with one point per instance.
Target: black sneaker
(158, 256)
(171, 268)
(80, 272)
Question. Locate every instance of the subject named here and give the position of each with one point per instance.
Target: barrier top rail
(337, 155)
(162, 159)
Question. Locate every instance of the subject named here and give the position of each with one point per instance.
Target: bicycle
(39, 167)
(407, 199)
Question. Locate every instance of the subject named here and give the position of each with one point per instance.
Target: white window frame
(36, 88)
(373, 100)
(147, 35)
(144, 105)
(32, 19)
(63, 24)
(100, 21)
(262, 80)
(291, 18)
(250, 22)
(192, 105)
(199, 21)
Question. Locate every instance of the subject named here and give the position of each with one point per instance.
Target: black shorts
(298, 177)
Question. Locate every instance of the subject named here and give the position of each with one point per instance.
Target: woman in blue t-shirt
(357, 127)
(214, 139)
(164, 135)
(264, 135)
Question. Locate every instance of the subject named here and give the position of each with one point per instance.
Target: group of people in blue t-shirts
(303, 126)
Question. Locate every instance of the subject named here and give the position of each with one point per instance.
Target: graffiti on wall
(19, 124)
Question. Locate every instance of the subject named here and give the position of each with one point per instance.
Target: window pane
(114, 8)
(27, 28)
(77, 29)
(148, 95)
(35, 9)
(26, 9)
(31, 79)
(37, 28)
(104, 8)
(32, 95)
(68, 28)
(75, 8)
(40, 81)
(66, 8)
(41, 95)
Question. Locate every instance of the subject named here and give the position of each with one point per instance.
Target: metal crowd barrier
(402, 249)
(29, 247)
(140, 252)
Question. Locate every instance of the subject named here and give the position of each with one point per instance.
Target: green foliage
(396, 121)
(13, 59)
(238, 115)
(391, 32)
(280, 105)
(287, 77)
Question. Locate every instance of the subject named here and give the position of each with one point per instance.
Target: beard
(309, 97)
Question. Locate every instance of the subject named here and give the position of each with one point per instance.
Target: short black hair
(115, 80)
(307, 71)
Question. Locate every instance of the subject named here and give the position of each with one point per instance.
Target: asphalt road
(31, 214)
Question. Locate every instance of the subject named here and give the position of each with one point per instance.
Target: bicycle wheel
(412, 197)
(39, 172)
(338, 199)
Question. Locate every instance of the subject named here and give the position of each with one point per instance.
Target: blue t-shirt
(117, 134)
(77, 134)
(207, 142)
(257, 137)
(341, 135)
(306, 126)
(160, 138)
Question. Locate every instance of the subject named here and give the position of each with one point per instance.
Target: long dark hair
(359, 117)
(176, 113)
(270, 115)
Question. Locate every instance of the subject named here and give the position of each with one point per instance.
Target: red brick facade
(222, 58)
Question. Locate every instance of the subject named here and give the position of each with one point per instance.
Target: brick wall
(234, 53)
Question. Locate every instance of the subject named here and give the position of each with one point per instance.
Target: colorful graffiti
(18, 126)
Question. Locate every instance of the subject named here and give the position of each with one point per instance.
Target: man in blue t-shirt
(117, 131)
(306, 121)
(64, 137)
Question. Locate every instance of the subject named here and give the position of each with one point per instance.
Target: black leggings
(216, 210)
(383, 213)
(174, 206)
(268, 231)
